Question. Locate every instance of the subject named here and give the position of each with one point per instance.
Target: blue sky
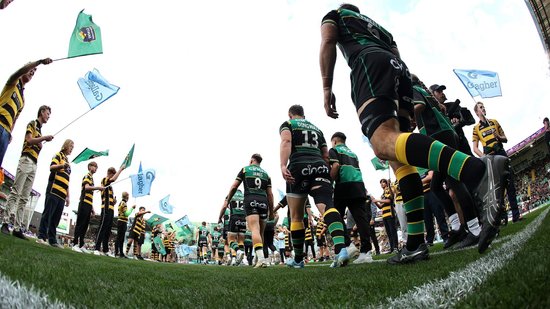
(203, 86)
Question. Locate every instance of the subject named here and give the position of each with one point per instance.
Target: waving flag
(159, 244)
(88, 154)
(128, 160)
(379, 164)
(141, 183)
(95, 88)
(183, 221)
(164, 206)
(480, 83)
(86, 37)
(156, 219)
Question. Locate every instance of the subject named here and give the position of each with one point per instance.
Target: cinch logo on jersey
(255, 204)
(309, 170)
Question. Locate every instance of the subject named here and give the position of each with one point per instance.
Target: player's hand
(287, 175)
(48, 138)
(46, 61)
(330, 103)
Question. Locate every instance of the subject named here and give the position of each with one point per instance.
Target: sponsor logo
(313, 170)
(87, 34)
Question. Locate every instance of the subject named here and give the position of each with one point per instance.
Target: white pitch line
(446, 293)
(14, 295)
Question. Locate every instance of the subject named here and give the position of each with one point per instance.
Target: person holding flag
(107, 210)
(85, 208)
(57, 195)
(12, 101)
(26, 171)
(491, 135)
(137, 232)
(122, 224)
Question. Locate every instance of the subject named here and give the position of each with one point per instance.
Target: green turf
(522, 283)
(94, 281)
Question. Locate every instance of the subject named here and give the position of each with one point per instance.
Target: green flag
(160, 245)
(128, 160)
(156, 219)
(379, 164)
(88, 154)
(86, 37)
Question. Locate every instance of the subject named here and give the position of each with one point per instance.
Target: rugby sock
(413, 203)
(135, 251)
(241, 246)
(473, 227)
(259, 249)
(335, 228)
(298, 234)
(234, 246)
(419, 150)
(128, 247)
(455, 222)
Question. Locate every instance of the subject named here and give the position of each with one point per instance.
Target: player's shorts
(380, 73)
(237, 224)
(256, 205)
(202, 243)
(308, 172)
(215, 245)
(321, 241)
(141, 239)
(133, 235)
(168, 251)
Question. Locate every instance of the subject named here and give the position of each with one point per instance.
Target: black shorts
(141, 239)
(168, 251)
(381, 74)
(308, 172)
(256, 205)
(215, 245)
(321, 241)
(202, 243)
(133, 235)
(237, 224)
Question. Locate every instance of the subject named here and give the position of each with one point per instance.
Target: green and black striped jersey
(358, 34)
(236, 205)
(307, 139)
(255, 180)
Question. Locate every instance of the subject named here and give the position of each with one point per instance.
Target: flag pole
(72, 122)
(118, 181)
(70, 57)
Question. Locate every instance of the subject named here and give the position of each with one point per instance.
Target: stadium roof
(540, 10)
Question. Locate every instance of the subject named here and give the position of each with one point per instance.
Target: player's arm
(26, 69)
(475, 145)
(285, 150)
(222, 211)
(499, 133)
(334, 164)
(327, 62)
(270, 208)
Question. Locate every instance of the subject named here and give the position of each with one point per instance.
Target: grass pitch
(92, 281)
